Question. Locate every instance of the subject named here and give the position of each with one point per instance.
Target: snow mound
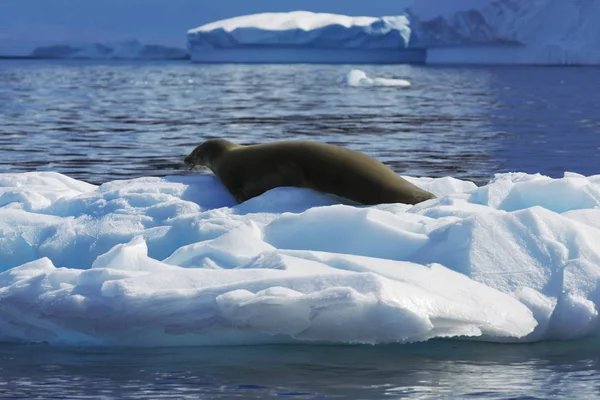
(174, 261)
(120, 50)
(356, 77)
(303, 36)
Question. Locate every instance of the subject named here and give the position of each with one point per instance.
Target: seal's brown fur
(248, 171)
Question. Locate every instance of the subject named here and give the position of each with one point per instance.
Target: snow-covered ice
(304, 36)
(119, 50)
(303, 28)
(357, 77)
(174, 261)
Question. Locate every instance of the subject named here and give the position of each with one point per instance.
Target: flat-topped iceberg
(128, 50)
(303, 36)
(174, 261)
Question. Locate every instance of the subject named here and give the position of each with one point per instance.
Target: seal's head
(207, 154)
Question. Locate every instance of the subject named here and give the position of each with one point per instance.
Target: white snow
(303, 36)
(357, 77)
(298, 20)
(174, 261)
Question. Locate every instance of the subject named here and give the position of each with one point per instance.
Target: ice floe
(175, 261)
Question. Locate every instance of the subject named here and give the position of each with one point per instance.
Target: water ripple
(437, 369)
(100, 121)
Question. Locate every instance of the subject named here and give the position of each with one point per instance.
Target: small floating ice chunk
(356, 77)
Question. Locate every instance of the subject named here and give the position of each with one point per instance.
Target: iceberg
(175, 261)
(303, 36)
(128, 50)
(545, 32)
(509, 32)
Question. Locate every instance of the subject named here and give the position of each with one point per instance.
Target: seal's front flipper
(289, 174)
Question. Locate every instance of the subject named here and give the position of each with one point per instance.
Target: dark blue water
(103, 121)
(431, 370)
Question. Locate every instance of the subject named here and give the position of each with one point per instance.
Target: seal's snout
(190, 162)
(193, 164)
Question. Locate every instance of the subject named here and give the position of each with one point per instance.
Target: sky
(25, 24)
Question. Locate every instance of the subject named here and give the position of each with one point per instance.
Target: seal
(248, 171)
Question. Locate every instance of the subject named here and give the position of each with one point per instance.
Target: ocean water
(432, 370)
(100, 121)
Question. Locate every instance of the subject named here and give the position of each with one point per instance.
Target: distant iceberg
(544, 32)
(128, 50)
(303, 36)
